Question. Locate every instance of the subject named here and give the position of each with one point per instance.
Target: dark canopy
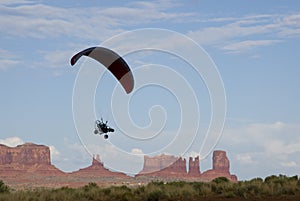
(112, 61)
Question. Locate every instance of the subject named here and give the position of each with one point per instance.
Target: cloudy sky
(254, 45)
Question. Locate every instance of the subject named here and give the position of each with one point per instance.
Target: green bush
(280, 187)
(270, 179)
(241, 191)
(156, 195)
(3, 188)
(221, 180)
(201, 188)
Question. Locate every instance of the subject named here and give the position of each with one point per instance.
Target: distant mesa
(175, 167)
(30, 164)
(164, 166)
(97, 169)
(221, 168)
(26, 159)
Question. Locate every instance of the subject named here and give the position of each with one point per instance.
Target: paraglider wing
(112, 61)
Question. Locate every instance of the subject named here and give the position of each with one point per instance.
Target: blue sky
(254, 44)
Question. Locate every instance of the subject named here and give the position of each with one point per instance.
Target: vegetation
(3, 188)
(271, 188)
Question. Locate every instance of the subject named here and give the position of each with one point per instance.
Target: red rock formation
(26, 154)
(157, 163)
(194, 169)
(220, 162)
(167, 166)
(96, 169)
(221, 167)
(25, 159)
(177, 169)
(30, 164)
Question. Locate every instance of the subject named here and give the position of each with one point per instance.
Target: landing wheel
(105, 136)
(95, 132)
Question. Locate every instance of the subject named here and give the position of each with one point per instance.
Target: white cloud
(262, 149)
(12, 141)
(265, 135)
(245, 158)
(7, 59)
(241, 27)
(289, 164)
(54, 152)
(291, 25)
(231, 35)
(12, 2)
(281, 147)
(7, 63)
(43, 21)
(137, 151)
(57, 58)
(242, 46)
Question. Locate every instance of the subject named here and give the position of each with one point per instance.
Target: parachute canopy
(112, 61)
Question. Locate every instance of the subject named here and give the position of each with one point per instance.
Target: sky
(244, 99)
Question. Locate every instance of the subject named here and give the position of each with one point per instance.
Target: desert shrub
(254, 189)
(270, 179)
(201, 188)
(106, 191)
(177, 183)
(156, 183)
(287, 188)
(188, 194)
(90, 186)
(156, 195)
(256, 181)
(293, 178)
(205, 190)
(241, 191)
(140, 190)
(122, 193)
(221, 185)
(229, 194)
(221, 180)
(122, 188)
(3, 188)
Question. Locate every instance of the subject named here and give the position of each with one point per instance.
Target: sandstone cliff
(221, 167)
(25, 159)
(194, 167)
(96, 169)
(26, 154)
(164, 166)
(29, 164)
(170, 166)
(157, 163)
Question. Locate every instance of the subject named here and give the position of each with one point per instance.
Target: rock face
(25, 159)
(30, 164)
(220, 162)
(221, 167)
(170, 166)
(26, 154)
(164, 165)
(194, 167)
(96, 169)
(157, 163)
